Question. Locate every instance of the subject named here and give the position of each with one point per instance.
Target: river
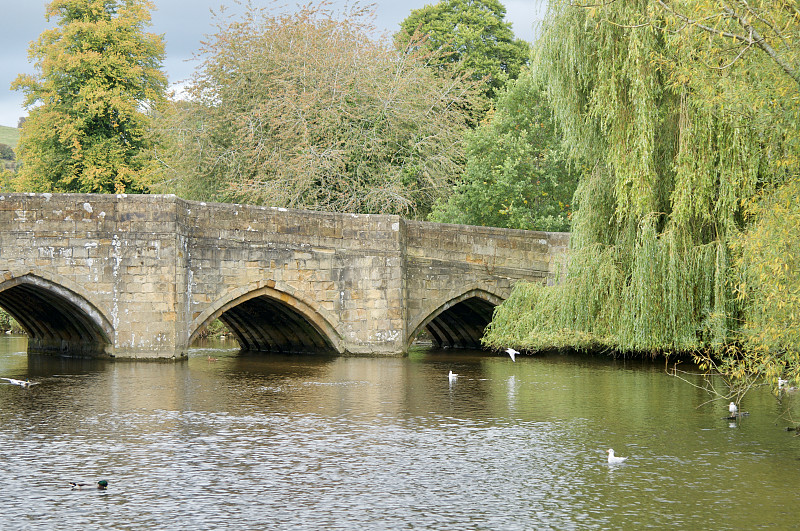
(297, 442)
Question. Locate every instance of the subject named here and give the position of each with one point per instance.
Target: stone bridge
(140, 276)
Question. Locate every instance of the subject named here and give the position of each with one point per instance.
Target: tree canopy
(305, 110)
(470, 36)
(685, 133)
(6, 152)
(98, 72)
(516, 175)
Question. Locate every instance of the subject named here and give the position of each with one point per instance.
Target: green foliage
(678, 149)
(215, 328)
(6, 180)
(769, 283)
(97, 71)
(516, 175)
(6, 153)
(475, 37)
(302, 110)
(7, 323)
(8, 165)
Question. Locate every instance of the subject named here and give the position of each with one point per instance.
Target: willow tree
(749, 60)
(308, 110)
(98, 73)
(677, 139)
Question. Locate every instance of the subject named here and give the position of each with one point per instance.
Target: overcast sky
(183, 24)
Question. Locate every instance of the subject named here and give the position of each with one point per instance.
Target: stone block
(150, 260)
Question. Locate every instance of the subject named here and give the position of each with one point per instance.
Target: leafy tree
(743, 59)
(8, 324)
(6, 177)
(306, 111)
(6, 152)
(737, 29)
(768, 283)
(98, 72)
(516, 174)
(474, 37)
(681, 145)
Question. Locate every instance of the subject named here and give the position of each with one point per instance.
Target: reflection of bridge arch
(266, 319)
(56, 314)
(461, 321)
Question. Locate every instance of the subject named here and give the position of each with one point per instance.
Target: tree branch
(761, 42)
(752, 37)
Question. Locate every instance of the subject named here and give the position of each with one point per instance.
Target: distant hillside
(9, 136)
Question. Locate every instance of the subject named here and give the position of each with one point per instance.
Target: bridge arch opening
(57, 320)
(460, 322)
(267, 320)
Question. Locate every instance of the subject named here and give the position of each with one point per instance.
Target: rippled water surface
(282, 442)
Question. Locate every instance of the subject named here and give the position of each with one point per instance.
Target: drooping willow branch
(752, 38)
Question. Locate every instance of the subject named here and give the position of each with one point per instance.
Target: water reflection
(273, 441)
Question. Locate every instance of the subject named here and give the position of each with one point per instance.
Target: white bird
(732, 408)
(21, 383)
(613, 459)
(452, 376)
(512, 353)
(782, 383)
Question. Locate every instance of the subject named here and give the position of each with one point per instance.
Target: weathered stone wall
(139, 276)
(341, 271)
(114, 255)
(446, 263)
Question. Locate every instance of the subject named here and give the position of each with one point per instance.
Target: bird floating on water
(452, 376)
(733, 409)
(100, 485)
(613, 459)
(21, 383)
(211, 358)
(511, 352)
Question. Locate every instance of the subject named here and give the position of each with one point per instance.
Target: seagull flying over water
(613, 459)
(452, 376)
(21, 383)
(512, 353)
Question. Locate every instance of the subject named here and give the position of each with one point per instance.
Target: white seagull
(613, 459)
(732, 408)
(21, 383)
(512, 353)
(452, 376)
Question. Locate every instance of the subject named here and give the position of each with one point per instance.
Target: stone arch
(57, 314)
(271, 320)
(460, 321)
